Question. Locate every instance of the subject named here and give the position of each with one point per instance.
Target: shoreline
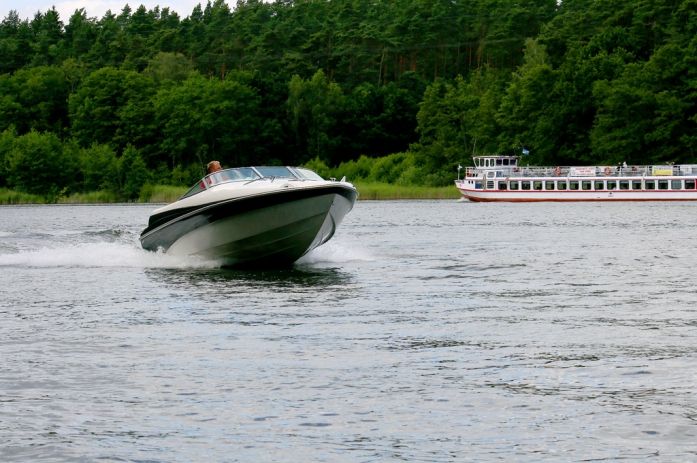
(159, 194)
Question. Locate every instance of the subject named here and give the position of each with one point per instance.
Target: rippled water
(424, 331)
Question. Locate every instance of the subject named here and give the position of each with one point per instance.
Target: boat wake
(100, 255)
(334, 253)
(124, 253)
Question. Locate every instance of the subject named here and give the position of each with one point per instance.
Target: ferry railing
(590, 171)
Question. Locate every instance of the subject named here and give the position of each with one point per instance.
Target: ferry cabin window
(549, 185)
(490, 185)
(502, 185)
(499, 162)
(561, 185)
(650, 185)
(513, 184)
(573, 185)
(636, 184)
(586, 185)
(537, 185)
(663, 184)
(612, 185)
(624, 184)
(689, 184)
(477, 185)
(676, 184)
(599, 185)
(525, 185)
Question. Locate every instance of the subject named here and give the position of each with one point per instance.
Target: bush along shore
(158, 194)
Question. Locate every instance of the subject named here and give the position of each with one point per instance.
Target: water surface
(424, 331)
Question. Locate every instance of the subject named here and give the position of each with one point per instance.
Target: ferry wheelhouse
(502, 178)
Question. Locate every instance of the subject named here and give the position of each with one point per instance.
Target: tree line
(145, 96)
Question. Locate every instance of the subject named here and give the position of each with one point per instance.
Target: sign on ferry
(582, 171)
(661, 170)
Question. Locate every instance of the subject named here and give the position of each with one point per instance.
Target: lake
(430, 331)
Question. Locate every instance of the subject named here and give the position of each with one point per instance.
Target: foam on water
(101, 254)
(334, 252)
(104, 254)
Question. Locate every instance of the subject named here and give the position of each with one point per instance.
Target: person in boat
(213, 166)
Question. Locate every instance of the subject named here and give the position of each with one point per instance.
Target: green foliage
(397, 169)
(34, 99)
(100, 168)
(169, 67)
(112, 106)
(147, 96)
(382, 191)
(15, 197)
(92, 197)
(38, 163)
(456, 119)
(161, 193)
(7, 138)
(186, 176)
(208, 118)
(133, 173)
(643, 115)
(313, 106)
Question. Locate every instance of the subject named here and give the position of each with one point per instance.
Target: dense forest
(400, 91)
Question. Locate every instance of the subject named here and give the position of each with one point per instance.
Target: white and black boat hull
(270, 229)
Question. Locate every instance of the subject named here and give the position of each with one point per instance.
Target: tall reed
(378, 191)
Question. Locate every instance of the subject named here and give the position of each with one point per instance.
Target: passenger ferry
(502, 178)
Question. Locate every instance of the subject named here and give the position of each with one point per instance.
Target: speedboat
(252, 216)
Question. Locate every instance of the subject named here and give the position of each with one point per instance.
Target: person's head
(213, 166)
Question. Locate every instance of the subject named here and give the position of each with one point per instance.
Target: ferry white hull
(561, 196)
(501, 178)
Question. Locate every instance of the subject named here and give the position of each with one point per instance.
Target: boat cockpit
(249, 174)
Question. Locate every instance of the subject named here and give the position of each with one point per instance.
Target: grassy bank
(94, 197)
(378, 191)
(161, 193)
(15, 197)
(366, 190)
(168, 194)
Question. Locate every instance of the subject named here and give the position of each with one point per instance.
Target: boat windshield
(307, 174)
(275, 171)
(241, 174)
(246, 174)
(232, 175)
